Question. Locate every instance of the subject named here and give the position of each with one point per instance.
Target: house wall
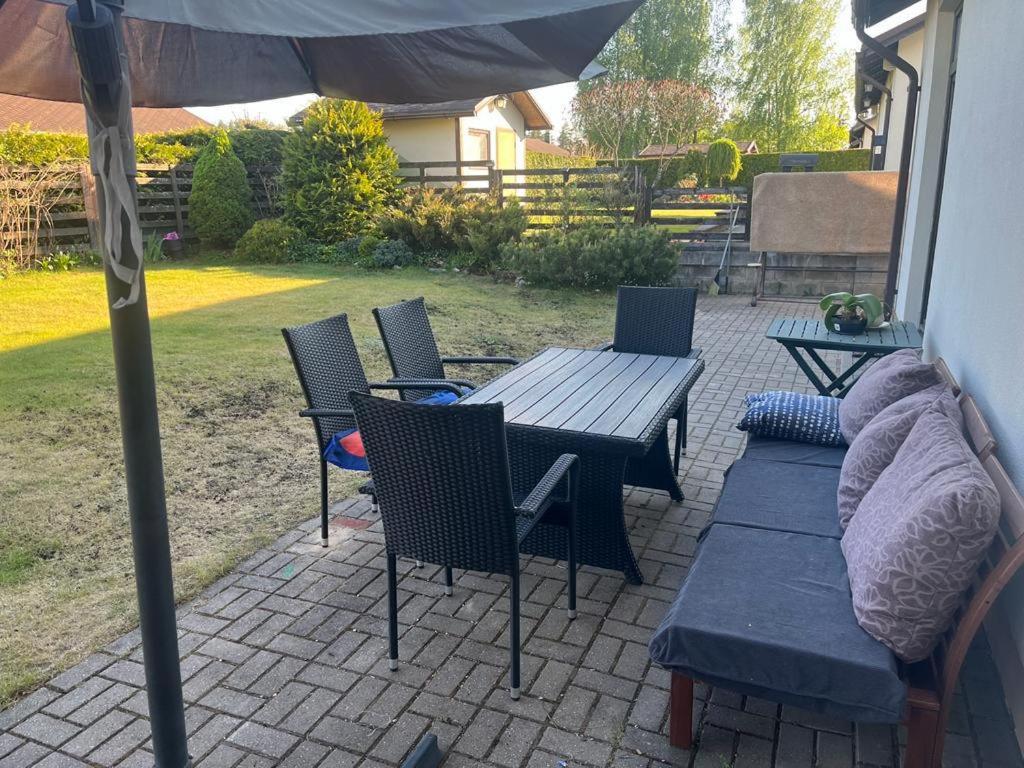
(978, 274)
(490, 118)
(422, 139)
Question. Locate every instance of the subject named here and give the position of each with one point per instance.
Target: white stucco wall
(490, 118)
(422, 139)
(973, 317)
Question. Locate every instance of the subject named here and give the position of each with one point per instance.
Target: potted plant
(172, 244)
(850, 314)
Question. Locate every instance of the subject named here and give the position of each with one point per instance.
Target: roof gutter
(860, 12)
(885, 125)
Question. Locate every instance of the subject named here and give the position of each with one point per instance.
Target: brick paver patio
(284, 659)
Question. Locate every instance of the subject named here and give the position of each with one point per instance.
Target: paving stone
(260, 738)
(570, 745)
(25, 755)
(45, 729)
(57, 760)
(97, 733)
(27, 706)
(116, 748)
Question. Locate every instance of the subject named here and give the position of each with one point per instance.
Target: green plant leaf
(832, 298)
(872, 307)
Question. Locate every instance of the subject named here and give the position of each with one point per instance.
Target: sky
(554, 99)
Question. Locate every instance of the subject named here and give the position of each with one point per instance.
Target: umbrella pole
(96, 31)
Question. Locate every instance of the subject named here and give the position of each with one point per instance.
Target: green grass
(240, 465)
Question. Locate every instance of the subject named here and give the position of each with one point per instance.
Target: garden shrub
(388, 254)
(723, 162)
(428, 220)
(838, 160)
(269, 241)
(19, 145)
(489, 227)
(544, 160)
(594, 257)
(339, 173)
(220, 204)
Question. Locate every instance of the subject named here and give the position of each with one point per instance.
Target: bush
(544, 160)
(723, 162)
(269, 241)
(594, 257)
(428, 220)
(388, 254)
(220, 204)
(488, 228)
(339, 174)
(839, 160)
(21, 146)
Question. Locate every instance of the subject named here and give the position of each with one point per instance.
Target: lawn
(239, 463)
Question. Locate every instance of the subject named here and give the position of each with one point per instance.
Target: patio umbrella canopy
(173, 53)
(197, 52)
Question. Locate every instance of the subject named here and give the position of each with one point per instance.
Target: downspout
(903, 180)
(888, 112)
(867, 127)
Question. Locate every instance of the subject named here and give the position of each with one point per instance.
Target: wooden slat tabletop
(814, 333)
(614, 395)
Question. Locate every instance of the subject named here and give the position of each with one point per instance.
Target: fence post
(178, 220)
(89, 202)
(642, 206)
(496, 182)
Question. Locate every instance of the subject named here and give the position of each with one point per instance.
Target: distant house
(493, 128)
(681, 150)
(545, 147)
(69, 117)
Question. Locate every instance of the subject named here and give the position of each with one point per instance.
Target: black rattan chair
(412, 349)
(446, 497)
(329, 367)
(657, 321)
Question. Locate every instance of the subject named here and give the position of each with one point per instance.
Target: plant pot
(172, 247)
(850, 326)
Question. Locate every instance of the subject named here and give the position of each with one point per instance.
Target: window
(478, 145)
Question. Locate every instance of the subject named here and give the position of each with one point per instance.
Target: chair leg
(572, 550)
(392, 611)
(374, 506)
(680, 718)
(323, 503)
(513, 635)
(448, 580)
(681, 428)
(922, 730)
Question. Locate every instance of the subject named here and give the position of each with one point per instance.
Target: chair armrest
(541, 495)
(480, 360)
(607, 346)
(449, 385)
(695, 352)
(316, 413)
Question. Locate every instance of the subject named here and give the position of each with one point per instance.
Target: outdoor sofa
(767, 609)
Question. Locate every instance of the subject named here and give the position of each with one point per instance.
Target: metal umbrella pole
(99, 51)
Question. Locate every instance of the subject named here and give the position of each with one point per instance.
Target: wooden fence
(551, 197)
(163, 193)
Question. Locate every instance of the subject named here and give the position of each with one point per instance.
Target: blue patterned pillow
(792, 416)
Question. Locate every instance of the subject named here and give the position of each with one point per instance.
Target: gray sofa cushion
(793, 452)
(780, 497)
(890, 379)
(918, 537)
(768, 614)
(876, 445)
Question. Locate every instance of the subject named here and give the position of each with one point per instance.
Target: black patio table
(803, 336)
(609, 408)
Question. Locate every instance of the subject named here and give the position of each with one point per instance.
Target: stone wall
(793, 275)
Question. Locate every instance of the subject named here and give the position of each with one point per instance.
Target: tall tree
(670, 40)
(792, 88)
(619, 118)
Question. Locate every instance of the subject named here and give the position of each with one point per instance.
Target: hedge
(836, 160)
(254, 146)
(544, 160)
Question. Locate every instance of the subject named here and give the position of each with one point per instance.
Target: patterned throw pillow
(876, 445)
(890, 379)
(919, 536)
(793, 416)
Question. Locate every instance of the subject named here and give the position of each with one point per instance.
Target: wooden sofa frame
(932, 682)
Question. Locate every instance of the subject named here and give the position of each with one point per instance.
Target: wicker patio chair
(329, 367)
(657, 321)
(412, 349)
(446, 497)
